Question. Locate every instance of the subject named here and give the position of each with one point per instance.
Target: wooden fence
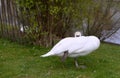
(9, 22)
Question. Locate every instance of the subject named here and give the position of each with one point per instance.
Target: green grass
(17, 61)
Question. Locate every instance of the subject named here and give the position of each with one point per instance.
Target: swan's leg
(76, 62)
(79, 66)
(64, 56)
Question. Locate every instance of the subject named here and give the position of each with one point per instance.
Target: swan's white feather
(76, 46)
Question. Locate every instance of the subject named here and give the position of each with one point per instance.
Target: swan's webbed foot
(64, 56)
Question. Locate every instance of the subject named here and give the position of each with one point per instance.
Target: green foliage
(99, 20)
(47, 21)
(53, 19)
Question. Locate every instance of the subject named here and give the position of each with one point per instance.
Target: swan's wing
(69, 44)
(73, 45)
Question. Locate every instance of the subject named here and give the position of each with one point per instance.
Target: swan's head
(77, 34)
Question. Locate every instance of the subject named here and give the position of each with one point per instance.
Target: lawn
(18, 61)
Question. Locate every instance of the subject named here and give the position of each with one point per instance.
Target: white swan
(74, 47)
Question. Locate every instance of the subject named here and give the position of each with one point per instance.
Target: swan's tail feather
(47, 54)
